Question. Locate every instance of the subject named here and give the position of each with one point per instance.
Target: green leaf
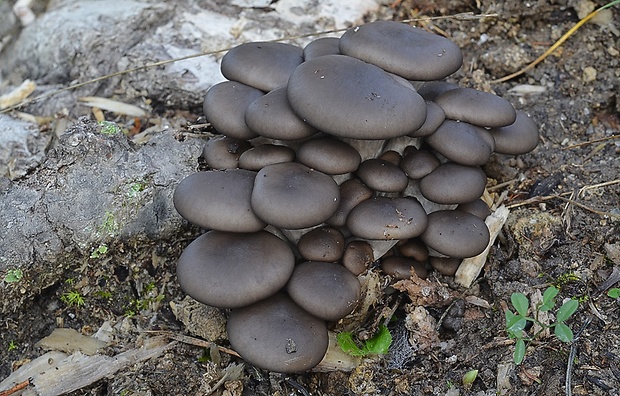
(379, 343)
(566, 310)
(549, 298)
(13, 275)
(470, 377)
(346, 343)
(563, 332)
(515, 324)
(520, 302)
(614, 292)
(519, 352)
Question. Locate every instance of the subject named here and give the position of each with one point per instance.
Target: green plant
(470, 377)
(377, 345)
(13, 275)
(109, 128)
(12, 346)
(614, 292)
(100, 251)
(73, 298)
(515, 323)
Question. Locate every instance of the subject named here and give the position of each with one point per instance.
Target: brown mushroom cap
(445, 265)
(387, 218)
(231, 270)
(223, 152)
(414, 248)
(271, 116)
(329, 155)
(478, 208)
(218, 200)
(518, 138)
(456, 234)
(476, 107)
(260, 156)
(357, 257)
(382, 175)
(461, 142)
(452, 183)
(262, 65)
(277, 335)
(225, 105)
(352, 192)
(327, 290)
(321, 47)
(291, 195)
(401, 267)
(348, 98)
(403, 50)
(321, 244)
(419, 163)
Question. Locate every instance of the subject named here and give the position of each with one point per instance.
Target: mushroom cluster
(332, 157)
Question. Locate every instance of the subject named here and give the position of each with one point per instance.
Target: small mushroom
(357, 257)
(517, 138)
(430, 90)
(461, 142)
(387, 218)
(445, 265)
(231, 270)
(414, 248)
(277, 335)
(382, 175)
(329, 155)
(401, 267)
(291, 195)
(218, 200)
(478, 208)
(456, 234)
(260, 156)
(352, 192)
(321, 47)
(321, 244)
(404, 50)
(327, 290)
(263, 65)
(223, 152)
(434, 117)
(452, 183)
(476, 107)
(419, 163)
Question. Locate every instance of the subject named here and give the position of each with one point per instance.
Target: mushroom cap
(291, 195)
(419, 163)
(478, 208)
(476, 107)
(456, 234)
(218, 200)
(357, 257)
(225, 105)
(223, 152)
(432, 89)
(518, 138)
(262, 65)
(352, 192)
(453, 183)
(277, 335)
(271, 116)
(461, 142)
(382, 175)
(231, 270)
(348, 98)
(321, 244)
(329, 155)
(402, 49)
(387, 218)
(260, 156)
(434, 117)
(392, 156)
(321, 47)
(445, 265)
(414, 248)
(401, 267)
(327, 290)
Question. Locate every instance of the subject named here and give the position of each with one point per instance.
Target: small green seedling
(614, 292)
(109, 128)
(12, 346)
(377, 345)
(515, 323)
(470, 377)
(13, 275)
(73, 299)
(100, 251)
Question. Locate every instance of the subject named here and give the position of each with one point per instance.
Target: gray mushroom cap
(419, 163)
(478, 208)
(327, 290)
(461, 142)
(387, 218)
(352, 192)
(231, 270)
(321, 47)
(401, 267)
(445, 265)
(452, 183)
(321, 244)
(357, 257)
(348, 98)
(518, 138)
(225, 105)
(262, 65)
(260, 156)
(434, 117)
(218, 200)
(277, 335)
(476, 107)
(402, 49)
(430, 90)
(271, 116)
(291, 195)
(223, 152)
(456, 234)
(414, 248)
(382, 175)
(329, 155)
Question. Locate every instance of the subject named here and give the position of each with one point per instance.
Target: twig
(556, 44)
(16, 388)
(193, 341)
(571, 358)
(612, 137)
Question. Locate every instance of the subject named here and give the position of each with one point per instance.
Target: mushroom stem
(336, 359)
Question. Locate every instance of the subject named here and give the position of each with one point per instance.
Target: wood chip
(113, 106)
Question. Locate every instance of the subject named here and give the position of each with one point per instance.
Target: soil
(563, 230)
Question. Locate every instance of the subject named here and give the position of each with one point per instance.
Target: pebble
(589, 74)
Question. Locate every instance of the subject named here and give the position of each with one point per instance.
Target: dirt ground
(563, 230)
